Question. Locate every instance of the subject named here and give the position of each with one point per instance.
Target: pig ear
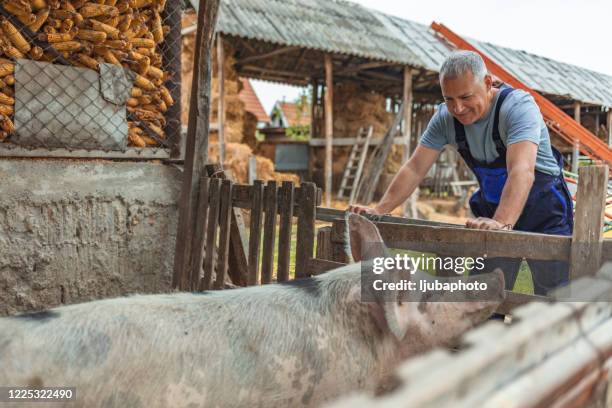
(398, 316)
(363, 241)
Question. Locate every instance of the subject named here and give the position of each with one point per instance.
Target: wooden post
(257, 192)
(211, 233)
(410, 205)
(284, 231)
(305, 229)
(329, 127)
(576, 147)
(225, 219)
(271, 208)
(196, 145)
(221, 101)
(588, 221)
(610, 126)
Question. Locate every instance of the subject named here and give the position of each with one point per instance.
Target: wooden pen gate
(222, 245)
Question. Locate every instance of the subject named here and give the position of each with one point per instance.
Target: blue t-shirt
(519, 119)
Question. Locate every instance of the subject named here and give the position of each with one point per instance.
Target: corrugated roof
(251, 101)
(348, 28)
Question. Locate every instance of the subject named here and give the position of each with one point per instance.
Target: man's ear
(363, 240)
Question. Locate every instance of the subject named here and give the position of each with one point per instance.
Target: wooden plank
(255, 231)
(305, 229)
(201, 219)
(587, 239)
(221, 98)
(237, 265)
(318, 266)
(410, 204)
(350, 141)
(284, 234)
(225, 218)
(196, 144)
(241, 197)
(333, 214)
(211, 233)
(468, 242)
(271, 207)
(329, 127)
(324, 244)
(252, 169)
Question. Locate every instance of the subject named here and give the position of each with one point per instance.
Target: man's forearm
(514, 197)
(403, 184)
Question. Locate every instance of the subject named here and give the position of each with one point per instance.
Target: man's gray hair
(460, 62)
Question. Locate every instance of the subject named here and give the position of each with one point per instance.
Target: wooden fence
(554, 355)
(222, 246)
(586, 250)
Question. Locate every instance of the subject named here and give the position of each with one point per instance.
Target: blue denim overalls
(548, 209)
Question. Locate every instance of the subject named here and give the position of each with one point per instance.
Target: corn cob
(135, 138)
(6, 100)
(91, 35)
(36, 53)
(6, 68)
(6, 109)
(166, 97)
(136, 92)
(14, 36)
(12, 52)
(27, 19)
(67, 26)
(87, 61)
(156, 29)
(136, 4)
(55, 38)
(118, 44)
(67, 46)
(111, 32)
(67, 5)
(144, 83)
(7, 124)
(9, 79)
(17, 7)
(133, 102)
(41, 18)
(95, 10)
(3, 135)
(38, 4)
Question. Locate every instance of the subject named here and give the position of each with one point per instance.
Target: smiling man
(501, 135)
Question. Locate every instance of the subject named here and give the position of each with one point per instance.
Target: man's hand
(362, 209)
(486, 224)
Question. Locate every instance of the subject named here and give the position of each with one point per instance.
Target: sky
(573, 31)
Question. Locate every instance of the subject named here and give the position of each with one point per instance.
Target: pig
(293, 344)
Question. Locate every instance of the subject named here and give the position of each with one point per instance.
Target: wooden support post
(221, 107)
(410, 205)
(196, 145)
(576, 147)
(324, 243)
(609, 126)
(588, 221)
(329, 127)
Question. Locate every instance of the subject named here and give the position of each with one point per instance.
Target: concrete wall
(72, 231)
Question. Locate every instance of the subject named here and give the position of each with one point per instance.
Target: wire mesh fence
(94, 76)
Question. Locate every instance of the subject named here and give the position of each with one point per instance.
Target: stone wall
(72, 231)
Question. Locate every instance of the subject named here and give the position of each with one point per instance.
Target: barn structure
(361, 64)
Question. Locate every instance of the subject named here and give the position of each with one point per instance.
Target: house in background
(252, 103)
(290, 114)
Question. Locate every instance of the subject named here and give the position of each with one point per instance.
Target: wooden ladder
(354, 166)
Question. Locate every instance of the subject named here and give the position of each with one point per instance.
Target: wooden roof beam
(267, 55)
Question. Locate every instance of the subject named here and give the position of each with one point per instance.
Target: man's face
(466, 98)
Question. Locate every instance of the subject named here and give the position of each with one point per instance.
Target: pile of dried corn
(120, 32)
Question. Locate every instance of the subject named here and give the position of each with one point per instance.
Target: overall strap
(499, 144)
(463, 146)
